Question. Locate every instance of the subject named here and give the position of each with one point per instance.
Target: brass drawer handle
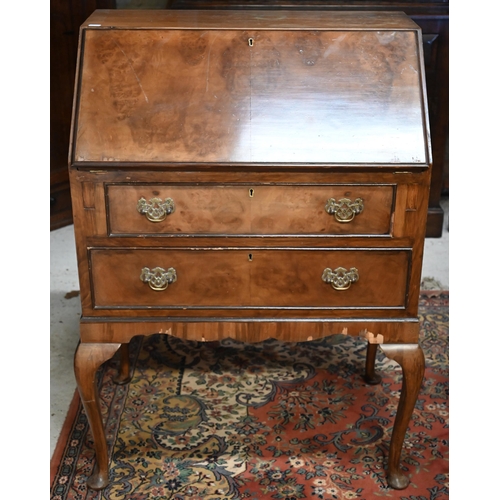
(157, 209)
(158, 278)
(344, 210)
(340, 278)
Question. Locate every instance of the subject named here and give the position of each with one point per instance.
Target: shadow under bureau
(250, 175)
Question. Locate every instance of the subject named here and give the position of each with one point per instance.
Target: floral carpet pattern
(274, 420)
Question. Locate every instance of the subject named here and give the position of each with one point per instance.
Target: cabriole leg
(88, 358)
(411, 359)
(123, 376)
(371, 377)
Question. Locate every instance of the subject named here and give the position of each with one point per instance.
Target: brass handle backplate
(156, 209)
(340, 278)
(158, 278)
(344, 209)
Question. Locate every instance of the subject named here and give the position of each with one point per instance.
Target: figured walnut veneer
(249, 161)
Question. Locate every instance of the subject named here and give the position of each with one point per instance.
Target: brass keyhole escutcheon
(250, 42)
(251, 191)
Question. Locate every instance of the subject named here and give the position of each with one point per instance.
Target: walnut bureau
(249, 175)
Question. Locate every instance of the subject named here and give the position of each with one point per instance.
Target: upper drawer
(158, 210)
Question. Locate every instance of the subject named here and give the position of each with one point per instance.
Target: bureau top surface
(251, 19)
(249, 87)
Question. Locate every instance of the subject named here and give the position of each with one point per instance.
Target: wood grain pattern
(412, 361)
(284, 19)
(249, 209)
(88, 358)
(206, 329)
(255, 278)
(205, 96)
(250, 122)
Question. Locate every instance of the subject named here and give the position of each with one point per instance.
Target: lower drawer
(249, 278)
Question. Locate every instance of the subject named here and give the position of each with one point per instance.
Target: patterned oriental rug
(228, 420)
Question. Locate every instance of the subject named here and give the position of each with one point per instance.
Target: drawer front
(249, 278)
(250, 209)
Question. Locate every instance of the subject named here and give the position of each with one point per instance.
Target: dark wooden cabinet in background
(66, 17)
